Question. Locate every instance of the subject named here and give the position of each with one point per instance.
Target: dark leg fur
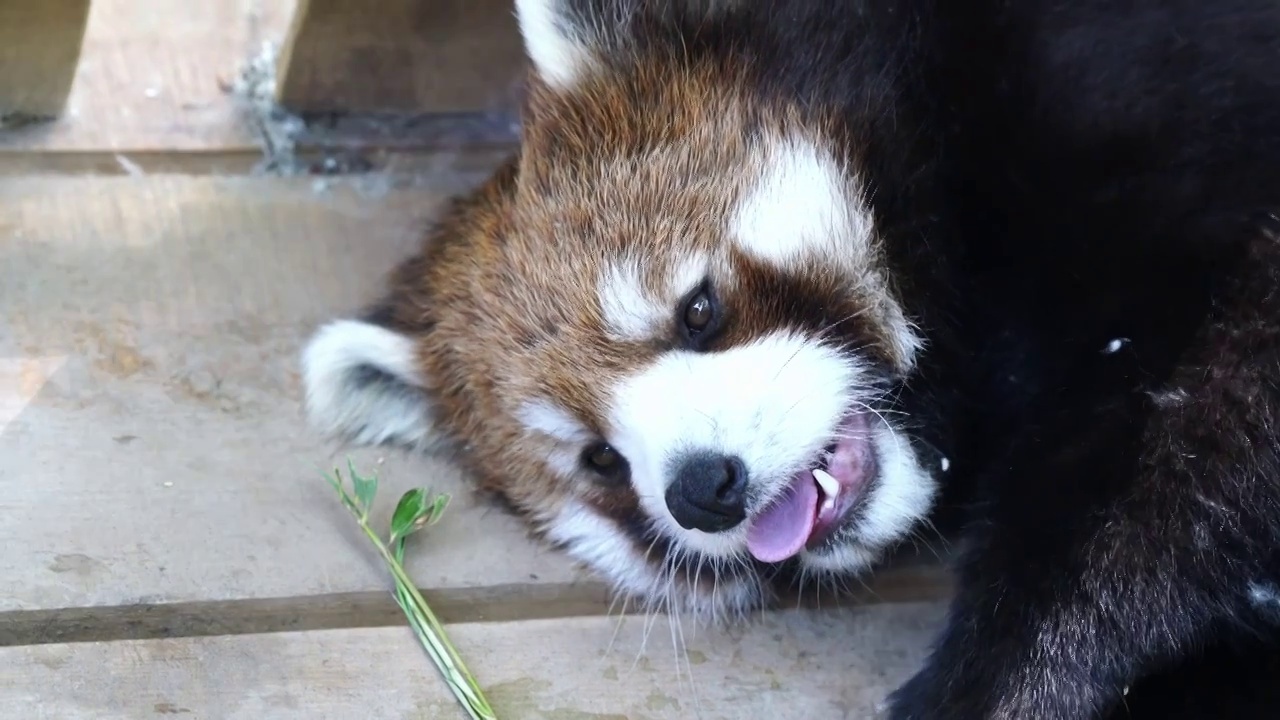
(1125, 535)
(1229, 681)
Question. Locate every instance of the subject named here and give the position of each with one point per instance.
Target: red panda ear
(560, 39)
(363, 383)
(567, 40)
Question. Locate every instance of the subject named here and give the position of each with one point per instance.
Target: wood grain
(413, 56)
(39, 48)
(785, 666)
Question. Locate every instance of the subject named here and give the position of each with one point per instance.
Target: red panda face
(665, 333)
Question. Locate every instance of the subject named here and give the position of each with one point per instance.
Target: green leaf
(414, 512)
(335, 480)
(438, 505)
(409, 514)
(366, 487)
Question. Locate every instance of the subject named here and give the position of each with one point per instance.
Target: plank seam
(370, 609)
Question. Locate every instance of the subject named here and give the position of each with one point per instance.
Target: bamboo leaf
(366, 488)
(410, 514)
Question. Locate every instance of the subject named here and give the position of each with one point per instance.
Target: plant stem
(434, 638)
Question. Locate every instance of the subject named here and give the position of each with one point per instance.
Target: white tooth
(829, 485)
(829, 504)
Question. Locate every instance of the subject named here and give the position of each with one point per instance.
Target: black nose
(708, 492)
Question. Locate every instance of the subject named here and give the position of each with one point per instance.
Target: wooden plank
(156, 74)
(39, 47)
(165, 458)
(153, 446)
(160, 88)
(794, 665)
(406, 56)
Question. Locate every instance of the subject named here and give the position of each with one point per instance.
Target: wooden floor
(169, 545)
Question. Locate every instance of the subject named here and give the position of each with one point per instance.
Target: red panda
(769, 287)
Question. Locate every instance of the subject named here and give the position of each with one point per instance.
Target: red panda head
(664, 331)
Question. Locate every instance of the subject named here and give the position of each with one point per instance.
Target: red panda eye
(602, 459)
(698, 313)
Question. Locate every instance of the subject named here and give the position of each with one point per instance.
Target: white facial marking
(773, 403)
(564, 435)
(598, 543)
(801, 205)
(631, 313)
(560, 53)
(547, 418)
(689, 271)
(804, 212)
(341, 398)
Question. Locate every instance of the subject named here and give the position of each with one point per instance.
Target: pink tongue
(783, 528)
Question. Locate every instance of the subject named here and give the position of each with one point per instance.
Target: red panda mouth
(818, 499)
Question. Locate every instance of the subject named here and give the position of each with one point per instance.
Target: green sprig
(416, 510)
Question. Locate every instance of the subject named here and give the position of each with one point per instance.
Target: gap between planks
(336, 611)
(318, 160)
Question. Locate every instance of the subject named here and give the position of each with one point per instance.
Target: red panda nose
(708, 492)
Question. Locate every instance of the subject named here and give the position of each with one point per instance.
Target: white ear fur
(363, 384)
(560, 52)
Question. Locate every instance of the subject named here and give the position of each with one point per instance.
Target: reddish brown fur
(497, 259)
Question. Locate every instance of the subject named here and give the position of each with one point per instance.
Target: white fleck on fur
(774, 403)
(342, 401)
(1114, 345)
(1211, 504)
(804, 211)
(1169, 398)
(1264, 596)
(560, 53)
